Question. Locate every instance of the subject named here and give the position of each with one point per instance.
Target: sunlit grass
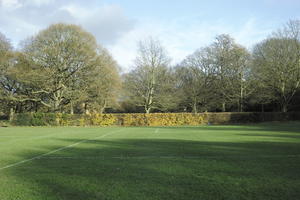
(209, 162)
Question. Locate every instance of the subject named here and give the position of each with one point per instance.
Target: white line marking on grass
(57, 150)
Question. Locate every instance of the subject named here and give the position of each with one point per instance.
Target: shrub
(4, 123)
(135, 120)
(153, 119)
(162, 119)
(22, 119)
(102, 119)
(34, 119)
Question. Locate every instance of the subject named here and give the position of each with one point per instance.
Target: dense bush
(233, 118)
(162, 119)
(140, 119)
(62, 119)
(34, 119)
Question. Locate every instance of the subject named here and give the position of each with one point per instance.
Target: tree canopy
(63, 69)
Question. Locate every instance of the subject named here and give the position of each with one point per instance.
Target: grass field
(209, 162)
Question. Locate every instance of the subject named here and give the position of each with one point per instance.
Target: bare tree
(144, 82)
(104, 82)
(277, 64)
(196, 75)
(232, 71)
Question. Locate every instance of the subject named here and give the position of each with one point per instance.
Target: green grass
(209, 162)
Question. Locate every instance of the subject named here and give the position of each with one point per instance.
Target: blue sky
(212, 9)
(181, 25)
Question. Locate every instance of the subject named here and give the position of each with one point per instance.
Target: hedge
(154, 119)
(161, 119)
(61, 119)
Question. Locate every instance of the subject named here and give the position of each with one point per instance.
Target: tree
(196, 75)
(5, 63)
(20, 83)
(216, 75)
(145, 84)
(104, 82)
(5, 49)
(277, 64)
(12, 93)
(5, 56)
(63, 51)
(232, 71)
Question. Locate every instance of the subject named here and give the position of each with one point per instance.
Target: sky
(182, 26)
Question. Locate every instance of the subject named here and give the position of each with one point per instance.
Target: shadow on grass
(275, 127)
(164, 169)
(294, 136)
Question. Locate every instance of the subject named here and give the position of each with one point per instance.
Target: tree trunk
(284, 102)
(11, 114)
(284, 108)
(71, 108)
(102, 109)
(36, 107)
(149, 101)
(58, 97)
(195, 109)
(240, 106)
(147, 110)
(86, 110)
(56, 105)
(223, 107)
(241, 100)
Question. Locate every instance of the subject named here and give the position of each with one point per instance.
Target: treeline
(63, 69)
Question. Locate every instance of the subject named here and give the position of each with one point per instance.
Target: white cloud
(15, 4)
(10, 4)
(112, 28)
(181, 39)
(22, 18)
(107, 22)
(251, 33)
(40, 2)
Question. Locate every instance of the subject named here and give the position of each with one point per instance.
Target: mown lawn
(208, 162)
